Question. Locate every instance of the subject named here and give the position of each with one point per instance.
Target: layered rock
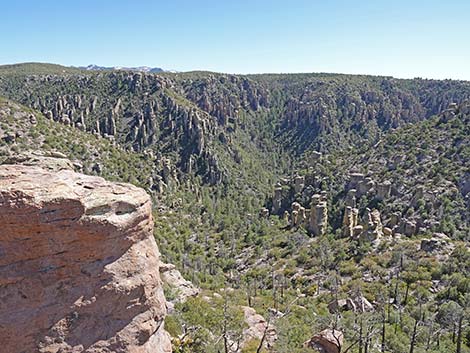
(318, 215)
(373, 225)
(53, 161)
(360, 183)
(78, 265)
(350, 219)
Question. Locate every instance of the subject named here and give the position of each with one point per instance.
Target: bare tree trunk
(382, 349)
(398, 280)
(453, 332)
(273, 279)
(400, 317)
(256, 286)
(389, 304)
(413, 337)
(260, 346)
(459, 335)
(405, 301)
(361, 343)
(225, 322)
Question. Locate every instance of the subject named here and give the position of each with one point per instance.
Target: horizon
(165, 70)
(399, 39)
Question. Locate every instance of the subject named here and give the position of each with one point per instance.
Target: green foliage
(259, 129)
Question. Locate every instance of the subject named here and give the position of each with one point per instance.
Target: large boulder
(438, 242)
(258, 328)
(78, 265)
(327, 341)
(181, 288)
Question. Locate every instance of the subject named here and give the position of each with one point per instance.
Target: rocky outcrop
(371, 228)
(277, 199)
(383, 190)
(373, 225)
(360, 183)
(357, 304)
(327, 341)
(318, 215)
(258, 328)
(438, 242)
(181, 288)
(78, 265)
(299, 183)
(298, 216)
(449, 113)
(350, 219)
(351, 198)
(47, 160)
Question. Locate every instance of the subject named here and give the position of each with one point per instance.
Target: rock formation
(285, 217)
(264, 213)
(437, 242)
(409, 228)
(350, 221)
(355, 179)
(373, 225)
(356, 304)
(78, 265)
(182, 288)
(318, 215)
(277, 199)
(351, 198)
(327, 341)
(53, 161)
(299, 183)
(297, 214)
(362, 184)
(257, 328)
(383, 190)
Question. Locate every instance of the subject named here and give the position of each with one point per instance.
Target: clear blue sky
(403, 38)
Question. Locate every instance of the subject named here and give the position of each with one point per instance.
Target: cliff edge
(78, 265)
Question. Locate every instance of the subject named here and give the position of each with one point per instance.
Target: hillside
(285, 193)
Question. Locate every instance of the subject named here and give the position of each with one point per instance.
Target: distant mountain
(106, 68)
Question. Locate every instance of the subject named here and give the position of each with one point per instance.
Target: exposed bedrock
(78, 265)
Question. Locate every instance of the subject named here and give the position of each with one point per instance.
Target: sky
(405, 39)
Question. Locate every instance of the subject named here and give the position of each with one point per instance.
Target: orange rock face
(78, 265)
